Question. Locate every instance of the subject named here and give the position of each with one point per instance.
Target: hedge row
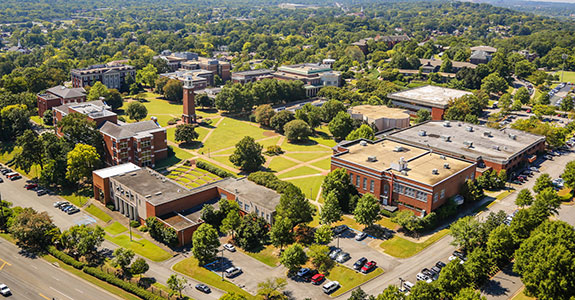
(213, 169)
(126, 286)
(67, 259)
(269, 180)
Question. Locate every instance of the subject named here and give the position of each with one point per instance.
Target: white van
(232, 272)
(407, 286)
(330, 287)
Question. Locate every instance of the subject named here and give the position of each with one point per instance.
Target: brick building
(139, 193)
(435, 99)
(96, 111)
(112, 75)
(200, 79)
(400, 175)
(314, 76)
(504, 149)
(380, 116)
(191, 61)
(244, 77)
(57, 96)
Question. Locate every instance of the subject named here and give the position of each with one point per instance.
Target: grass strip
(403, 248)
(142, 247)
(98, 213)
(115, 228)
(349, 278)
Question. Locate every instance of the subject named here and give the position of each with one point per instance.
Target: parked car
(302, 272)
(230, 247)
(232, 272)
(428, 273)
(407, 286)
(203, 288)
(41, 192)
(317, 279)
(330, 287)
(359, 263)
(5, 290)
(343, 257)
(436, 270)
(458, 254)
(6, 171)
(422, 277)
(368, 267)
(57, 204)
(339, 229)
(440, 264)
(72, 211)
(1, 180)
(31, 186)
(360, 236)
(334, 253)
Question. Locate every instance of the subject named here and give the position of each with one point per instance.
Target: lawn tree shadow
(379, 232)
(29, 253)
(208, 110)
(193, 145)
(494, 288)
(307, 142)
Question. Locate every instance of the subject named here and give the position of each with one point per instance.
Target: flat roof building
(140, 193)
(381, 116)
(401, 175)
(57, 96)
(112, 75)
(502, 149)
(435, 99)
(314, 76)
(244, 77)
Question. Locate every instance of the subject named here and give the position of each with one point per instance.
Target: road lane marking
(79, 291)
(62, 293)
(44, 296)
(3, 263)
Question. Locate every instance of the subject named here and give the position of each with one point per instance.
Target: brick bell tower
(189, 113)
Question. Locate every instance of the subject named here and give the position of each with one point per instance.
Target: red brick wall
(185, 236)
(437, 114)
(159, 142)
(101, 184)
(452, 187)
(185, 202)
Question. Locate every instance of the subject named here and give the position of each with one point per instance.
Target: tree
(319, 255)
(341, 125)
(248, 155)
(177, 283)
(452, 279)
(97, 91)
(466, 232)
(136, 111)
(408, 221)
(264, 114)
(500, 245)
(82, 160)
(358, 294)
(363, 132)
(309, 113)
(147, 76)
(252, 232)
(478, 265)
(367, 210)
(174, 90)
(569, 174)
(14, 120)
(82, 240)
(231, 222)
(338, 182)
(232, 296)
(204, 100)
(186, 133)
(32, 151)
(33, 230)
(542, 182)
(391, 292)
(139, 267)
(524, 198)
(446, 66)
(114, 99)
(522, 95)
(206, 243)
(469, 294)
(546, 261)
(472, 191)
(293, 257)
(494, 83)
(546, 203)
(48, 118)
(77, 129)
(331, 108)
(160, 84)
(281, 233)
(516, 106)
(294, 206)
(422, 116)
(424, 291)
(297, 130)
(567, 103)
(505, 102)
(330, 212)
(271, 289)
(123, 257)
(323, 234)
(279, 120)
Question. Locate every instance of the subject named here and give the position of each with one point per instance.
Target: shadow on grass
(191, 146)
(208, 110)
(304, 143)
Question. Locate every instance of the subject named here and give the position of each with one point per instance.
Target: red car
(317, 279)
(31, 186)
(368, 267)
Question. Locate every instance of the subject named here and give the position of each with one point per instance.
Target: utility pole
(564, 56)
(222, 264)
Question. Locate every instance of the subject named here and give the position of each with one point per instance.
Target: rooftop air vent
(398, 149)
(469, 128)
(487, 133)
(404, 172)
(446, 138)
(371, 159)
(158, 193)
(147, 196)
(513, 136)
(469, 144)
(496, 147)
(446, 166)
(446, 124)
(435, 172)
(422, 133)
(442, 157)
(363, 143)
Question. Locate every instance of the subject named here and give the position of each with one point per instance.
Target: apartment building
(57, 96)
(112, 75)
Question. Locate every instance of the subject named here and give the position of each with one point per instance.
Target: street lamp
(222, 264)
(564, 57)
(401, 283)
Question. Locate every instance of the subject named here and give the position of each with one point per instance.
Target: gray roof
(246, 190)
(487, 143)
(428, 95)
(64, 92)
(128, 130)
(479, 54)
(96, 103)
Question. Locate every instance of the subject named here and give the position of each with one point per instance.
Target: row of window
(364, 186)
(247, 207)
(413, 193)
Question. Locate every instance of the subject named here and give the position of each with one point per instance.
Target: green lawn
(308, 156)
(7, 156)
(142, 247)
(521, 296)
(307, 146)
(279, 163)
(402, 248)
(93, 280)
(299, 172)
(349, 278)
(568, 76)
(266, 255)
(309, 183)
(189, 267)
(115, 228)
(224, 160)
(98, 213)
(324, 164)
(266, 143)
(179, 155)
(229, 132)
(75, 199)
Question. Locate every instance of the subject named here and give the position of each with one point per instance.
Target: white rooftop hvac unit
(446, 166)
(398, 149)
(512, 136)
(363, 143)
(469, 128)
(401, 166)
(487, 133)
(422, 133)
(446, 124)
(435, 172)
(469, 144)
(446, 138)
(371, 158)
(496, 147)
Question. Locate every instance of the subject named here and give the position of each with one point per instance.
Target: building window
(351, 178)
(421, 196)
(396, 187)
(364, 183)
(145, 144)
(371, 186)
(442, 194)
(247, 207)
(357, 180)
(435, 197)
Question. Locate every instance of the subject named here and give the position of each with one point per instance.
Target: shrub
(274, 150)
(269, 180)
(126, 286)
(110, 206)
(213, 169)
(388, 214)
(143, 228)
(173, 121)
(134, 224)
(65, 258)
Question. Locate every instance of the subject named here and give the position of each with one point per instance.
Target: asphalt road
(37, 279)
